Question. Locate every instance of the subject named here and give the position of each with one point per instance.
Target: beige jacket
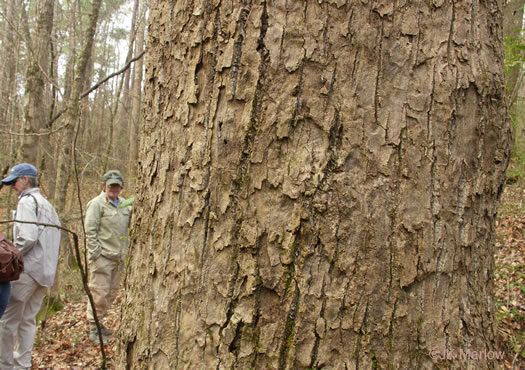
(107, 228)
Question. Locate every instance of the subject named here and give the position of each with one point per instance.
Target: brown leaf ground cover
(509, 276)
(62, 341)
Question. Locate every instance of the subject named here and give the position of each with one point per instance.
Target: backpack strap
(36, 203)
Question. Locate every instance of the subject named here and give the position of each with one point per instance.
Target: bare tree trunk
(136, 95)
(110, 136)
(60, 155)
(319, 184)
(125, 115)
(35, 109)
(73, 110)
(46, 162)
(512, 27)
(9, 70)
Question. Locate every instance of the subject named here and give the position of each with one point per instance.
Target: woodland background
(59, 111)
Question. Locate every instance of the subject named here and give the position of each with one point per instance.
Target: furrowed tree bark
(318, 184)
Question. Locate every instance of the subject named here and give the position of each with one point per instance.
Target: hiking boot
(93, 336)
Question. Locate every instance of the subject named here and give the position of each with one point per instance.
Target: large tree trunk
(318, 183)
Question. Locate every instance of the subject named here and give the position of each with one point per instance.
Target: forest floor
(62, 341)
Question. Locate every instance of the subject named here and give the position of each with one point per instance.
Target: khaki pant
(104, 284)
(19, 322)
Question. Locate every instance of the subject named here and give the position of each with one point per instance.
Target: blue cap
(22, 169)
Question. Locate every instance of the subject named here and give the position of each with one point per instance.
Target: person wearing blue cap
(39, 245)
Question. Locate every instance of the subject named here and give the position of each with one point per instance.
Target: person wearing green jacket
(106, 226)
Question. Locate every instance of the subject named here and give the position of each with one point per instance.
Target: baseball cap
(22, 169)
(113, 177)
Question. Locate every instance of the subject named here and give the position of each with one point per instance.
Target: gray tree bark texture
(318, 185)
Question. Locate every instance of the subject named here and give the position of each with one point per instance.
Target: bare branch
(35, 133)
(94, 87)
(124, 69)
(83, 95)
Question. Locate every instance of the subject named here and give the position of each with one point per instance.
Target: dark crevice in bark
(317, 341)
(419, 29)
(349, 28)
(257, 316)
(182, 178)
(315, 348)
(289, 330)
(289, 325)
(391, 326)
(330, 89)
(210, 100)
(235, 345)
(451, 31)
(206, 224)
(460, 206)
(198, 67)
(243, 171)
(261, 47)
(335, 137)
(237, 48)
(431, 106)
(232, 302)
(297, 93)
(378, 76)
(362, 331)
(291, 267)
(178, 314)
(391, 235)
(355, 64)
(130, 358)
(326, 25)
(305, 11)
(170, 242)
